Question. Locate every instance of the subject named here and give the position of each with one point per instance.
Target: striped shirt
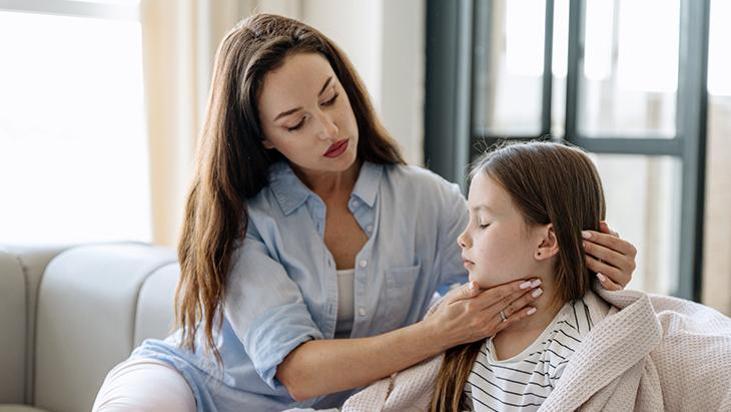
(524, 381)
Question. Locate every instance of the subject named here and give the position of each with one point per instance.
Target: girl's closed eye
(484, 225)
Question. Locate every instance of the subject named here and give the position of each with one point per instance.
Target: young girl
(528, 206)
(530, 209)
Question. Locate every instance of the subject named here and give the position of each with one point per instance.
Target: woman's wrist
(434, 339)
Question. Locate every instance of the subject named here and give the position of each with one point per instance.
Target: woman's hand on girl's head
(468, 313)
(612, 258)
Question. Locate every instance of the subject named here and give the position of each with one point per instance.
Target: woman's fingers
(519, 315)
(604, 228)
(466, 291)
(611, 242)
(609, 256)
(607, 283)
(614, 278)
(503, 295)
(515, 305)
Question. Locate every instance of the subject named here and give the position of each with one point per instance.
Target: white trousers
(142, 385)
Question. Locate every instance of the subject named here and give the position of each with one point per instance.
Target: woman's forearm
(326, 366)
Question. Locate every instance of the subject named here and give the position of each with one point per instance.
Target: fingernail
(585, 234)
(601, 277)
(535, 283)
(526, 284)
(531, 311)
(537, 292)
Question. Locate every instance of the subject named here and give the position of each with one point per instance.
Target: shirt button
(363, 263)
(353, 204)
(361, 311)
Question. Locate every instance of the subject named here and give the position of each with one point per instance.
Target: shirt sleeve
(453, 219)
(265, 307)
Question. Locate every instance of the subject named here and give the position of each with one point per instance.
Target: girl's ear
(548, 246)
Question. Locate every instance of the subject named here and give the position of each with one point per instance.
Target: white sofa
(69, 314)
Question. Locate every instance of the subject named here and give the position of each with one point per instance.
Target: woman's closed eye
(331, 101)
(297, 126)
(326, 103)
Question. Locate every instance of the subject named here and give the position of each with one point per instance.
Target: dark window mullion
(575, 52)
(692, 100)
(546, 107)
(629, 145)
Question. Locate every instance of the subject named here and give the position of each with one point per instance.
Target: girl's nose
(463, 240)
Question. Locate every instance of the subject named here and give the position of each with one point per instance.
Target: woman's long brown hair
(232, 165)
(548, 183)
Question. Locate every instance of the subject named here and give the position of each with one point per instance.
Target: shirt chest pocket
(399, 295)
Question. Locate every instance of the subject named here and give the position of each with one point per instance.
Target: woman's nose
(328, 129)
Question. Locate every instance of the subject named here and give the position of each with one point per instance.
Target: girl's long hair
(548, 183)
(232, 165)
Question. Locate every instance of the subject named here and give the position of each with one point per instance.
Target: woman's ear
(548, 246)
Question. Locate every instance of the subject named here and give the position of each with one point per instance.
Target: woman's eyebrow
(324, 86)
(290, 111)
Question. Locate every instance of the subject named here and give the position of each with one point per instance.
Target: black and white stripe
(526, 380)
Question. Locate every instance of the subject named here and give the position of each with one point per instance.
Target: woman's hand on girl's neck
(518, 336)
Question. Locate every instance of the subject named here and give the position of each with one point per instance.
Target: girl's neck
(515, 338)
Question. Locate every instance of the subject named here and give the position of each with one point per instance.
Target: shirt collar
(291, 193)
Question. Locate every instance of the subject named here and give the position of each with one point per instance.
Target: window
(73, 143)
(590, 72)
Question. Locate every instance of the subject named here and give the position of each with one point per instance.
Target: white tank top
(346, 305)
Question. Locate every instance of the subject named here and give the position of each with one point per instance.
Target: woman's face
(498, 246)
(306, 115)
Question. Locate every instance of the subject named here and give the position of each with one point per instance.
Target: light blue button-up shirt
(282, 288)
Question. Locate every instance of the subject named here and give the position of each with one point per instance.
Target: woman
(302, 225)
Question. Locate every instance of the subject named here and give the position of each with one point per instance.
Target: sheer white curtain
(179, 44)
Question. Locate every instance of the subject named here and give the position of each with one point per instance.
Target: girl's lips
(467, 262)
(337, 148)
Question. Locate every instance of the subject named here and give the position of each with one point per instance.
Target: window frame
(100, 10)
(450, 141)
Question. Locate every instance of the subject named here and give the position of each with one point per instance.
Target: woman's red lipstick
(337, 148)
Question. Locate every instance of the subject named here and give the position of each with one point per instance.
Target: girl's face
(497, 245)
(306, 115)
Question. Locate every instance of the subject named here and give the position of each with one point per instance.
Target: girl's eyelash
(484, 226)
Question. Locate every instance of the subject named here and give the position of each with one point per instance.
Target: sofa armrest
(87, 316)
(21, 269)
(13, 318)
